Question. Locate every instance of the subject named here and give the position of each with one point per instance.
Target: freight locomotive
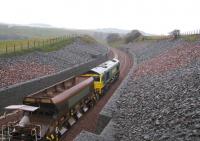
(49, 113)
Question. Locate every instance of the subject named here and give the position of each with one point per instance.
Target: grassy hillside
(15, 47)
(15, 32)
(8, 32)
(191, 38)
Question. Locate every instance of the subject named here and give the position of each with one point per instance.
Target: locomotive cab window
(117, 67)
(96, 78)
(107, 75)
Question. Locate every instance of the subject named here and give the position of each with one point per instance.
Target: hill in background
(12, 32)
(38, 30)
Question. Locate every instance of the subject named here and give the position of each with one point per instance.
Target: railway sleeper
(85, 109)
(71, 121)
(79, 114)
(63, 130)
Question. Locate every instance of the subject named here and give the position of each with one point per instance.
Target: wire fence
(188, 33)
(157, 37)
(14, 46)
(195, 35)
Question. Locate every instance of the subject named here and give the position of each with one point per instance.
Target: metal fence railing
(194, 32)
(14, 46)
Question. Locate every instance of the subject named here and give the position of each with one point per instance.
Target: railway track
(84, 123)
(89, 121)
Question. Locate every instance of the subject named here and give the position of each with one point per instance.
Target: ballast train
(49, 113)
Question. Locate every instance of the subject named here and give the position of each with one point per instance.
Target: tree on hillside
(130, 37)
(175, 33)
(113, 37)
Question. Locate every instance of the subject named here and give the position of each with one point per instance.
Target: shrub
(113, 37)
(133, 35)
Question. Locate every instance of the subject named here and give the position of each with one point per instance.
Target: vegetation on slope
(18, 47)
(8, 32)
(191, 38)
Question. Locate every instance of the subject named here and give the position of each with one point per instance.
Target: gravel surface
(169, 60)
(161, 107)
(22, 68)
(149, 49)
(161, 100)
(22, 71)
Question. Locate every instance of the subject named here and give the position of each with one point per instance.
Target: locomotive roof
(105, 66)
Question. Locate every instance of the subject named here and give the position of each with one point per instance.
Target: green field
(155, 37)
(8, 32)
(15, 47)
(191, 38)
(10, 47)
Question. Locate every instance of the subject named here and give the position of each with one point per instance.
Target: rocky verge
(18, 69)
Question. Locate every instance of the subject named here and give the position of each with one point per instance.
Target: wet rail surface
(89, 120)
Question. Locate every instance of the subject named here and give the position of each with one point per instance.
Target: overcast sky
(151, 16)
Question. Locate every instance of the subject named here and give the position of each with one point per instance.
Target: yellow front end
(98, 86)
(98, 82)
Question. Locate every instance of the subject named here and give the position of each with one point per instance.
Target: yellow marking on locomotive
(48, 138)
(52, 136)
(98, 85)
(89, 75)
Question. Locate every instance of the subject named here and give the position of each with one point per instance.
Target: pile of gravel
(36, 57)
(161, 107)
(18, 69)
(169, 60)
(149, 49)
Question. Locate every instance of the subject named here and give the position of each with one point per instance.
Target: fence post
(43, 43)
(21, 46)
(34, 44)
(6, 48)
(14, 47)
(28, 44)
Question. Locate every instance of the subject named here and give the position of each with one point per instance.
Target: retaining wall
(15, 93)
